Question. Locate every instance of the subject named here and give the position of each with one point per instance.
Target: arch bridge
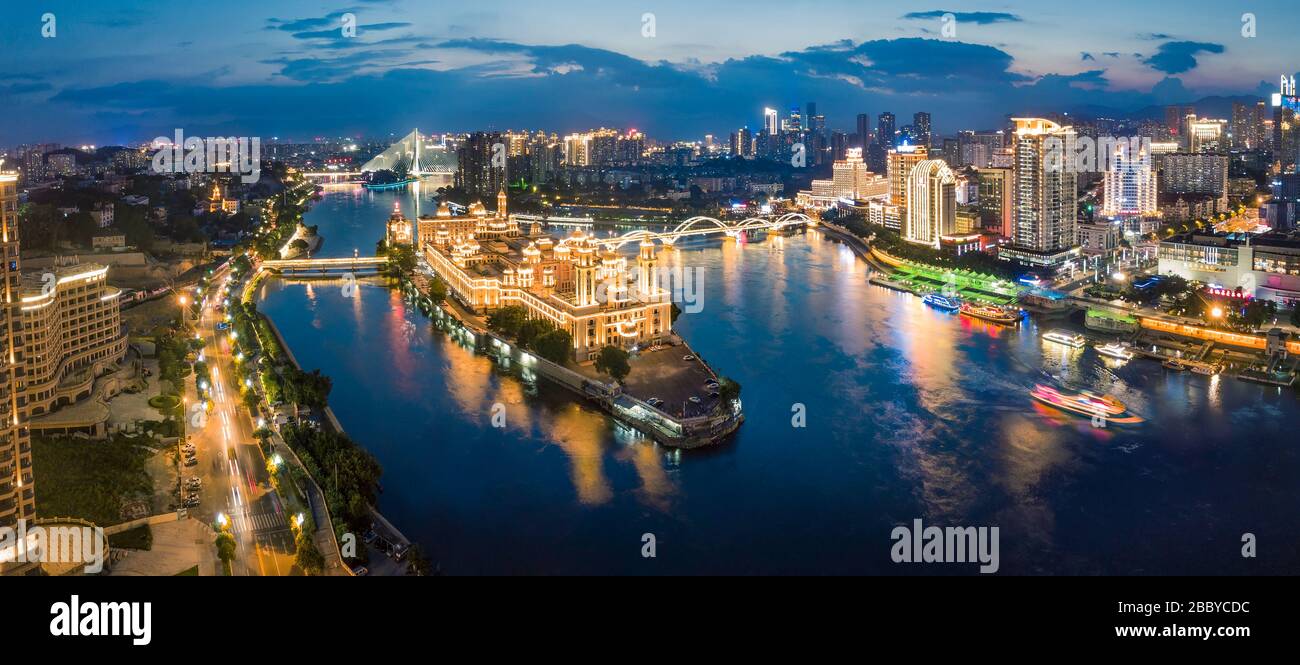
(705, 226)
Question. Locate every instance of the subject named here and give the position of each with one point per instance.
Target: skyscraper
(480, 169)
(1046, 196)
(1130, 183)
(899, 167)
(885, 130)
(770, 122)
(864, 130)
(921, 128)
(931, 203)
(17, 494)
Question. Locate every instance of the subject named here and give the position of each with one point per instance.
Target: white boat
(1065, 337)
(1114, 350)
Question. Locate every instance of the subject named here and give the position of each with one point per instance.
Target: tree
(225, 547)
(728, 390)
(530, 330)
(507, 320)
(438, 290)
(555, 346)
(308, 558)
(613, 361)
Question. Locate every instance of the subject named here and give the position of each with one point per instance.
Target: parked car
(360, 571)
(192, 461)
(694, 399)
(654, 401)
(688, 357)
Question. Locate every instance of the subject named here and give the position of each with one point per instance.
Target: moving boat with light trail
(1065, 337)
(1085, 403)
(993, 313)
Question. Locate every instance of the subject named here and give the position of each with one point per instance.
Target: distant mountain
(1216, 106)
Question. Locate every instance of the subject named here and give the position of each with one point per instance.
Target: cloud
(1178, 57)
(1086, 56)
(980, 18)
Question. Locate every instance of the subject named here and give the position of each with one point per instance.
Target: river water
(908, 413)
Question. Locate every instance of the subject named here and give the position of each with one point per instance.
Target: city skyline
(110, 73)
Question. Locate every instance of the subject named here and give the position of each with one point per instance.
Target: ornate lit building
(218, 203)
(593, 292)
(399, 227)
(931, 203)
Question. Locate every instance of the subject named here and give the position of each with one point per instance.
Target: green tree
(225, 547)
(613, 361)
(507, 320)
(728, 390)
(555, 346)
(308, 558)
(438, 290)
(531, 329)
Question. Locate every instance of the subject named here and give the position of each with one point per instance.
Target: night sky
(123, 71)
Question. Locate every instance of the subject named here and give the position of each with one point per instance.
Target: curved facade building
(17, 494)
(72, 333)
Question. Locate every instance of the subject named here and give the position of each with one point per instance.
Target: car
(694, 400)
(193, 461)
(223, 325)
(711, 385)
(360, 571)
(194, 481)
(369, 536)
(688, 357)
(654, 401)
(191, 502)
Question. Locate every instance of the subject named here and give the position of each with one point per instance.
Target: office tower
(921, 128)
(1206, 135)
(885, 130)
(1286, 125)
(931, 203)
(1045, 197)
(996, 199)
(900, 163)
(812, 113)
(1247, 126)
(1130, 183)
(839, 145)
(950, 151)
(864, 130)
(746, 141)
(17, 493)
(770, 122)
(1175, 117)
(476, 172)
(793, 124)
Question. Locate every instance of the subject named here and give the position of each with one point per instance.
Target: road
(231, 465)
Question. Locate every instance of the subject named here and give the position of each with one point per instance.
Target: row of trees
(890, 242)
(537, 335)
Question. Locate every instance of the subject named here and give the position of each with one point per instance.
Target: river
(908, 413)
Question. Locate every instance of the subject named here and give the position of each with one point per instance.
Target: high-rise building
(17, 492)
(864, 131)
(931, 203)
(899, 167)
(996, 199)
(1193, 173)
(771, 124)
(480, 171)
(921, 128)
(1247, 126)
(1130, 183)
(885, 130)
(1286, 125)
(1206, 135)
(1046, 195)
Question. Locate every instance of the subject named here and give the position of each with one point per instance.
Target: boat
(942, 302)
(1109, 322)
(1002, 315)
(1113, 350)
(1085, 403)
(1175, 365)
(1065, 337)
(1208, 369)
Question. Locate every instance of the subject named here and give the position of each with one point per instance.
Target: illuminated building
(931, 203)
(1206, 135)
(399, 228)
(1045, 197)
(921, 127)
(1130, 184)
(996, 199)
(1194, 173)
(885, 130)
(72, 335)
(1263, 266)
(850, 181)
(489, 262)
(17, 493)
(770, 121)
(899, 164)
(219, 203)
(1286, 126)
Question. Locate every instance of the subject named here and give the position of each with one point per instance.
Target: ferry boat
(1113, 350)
(942, 302)
(1065, 337)
(1085, 403)
(1002, 315)
(1208, 369)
